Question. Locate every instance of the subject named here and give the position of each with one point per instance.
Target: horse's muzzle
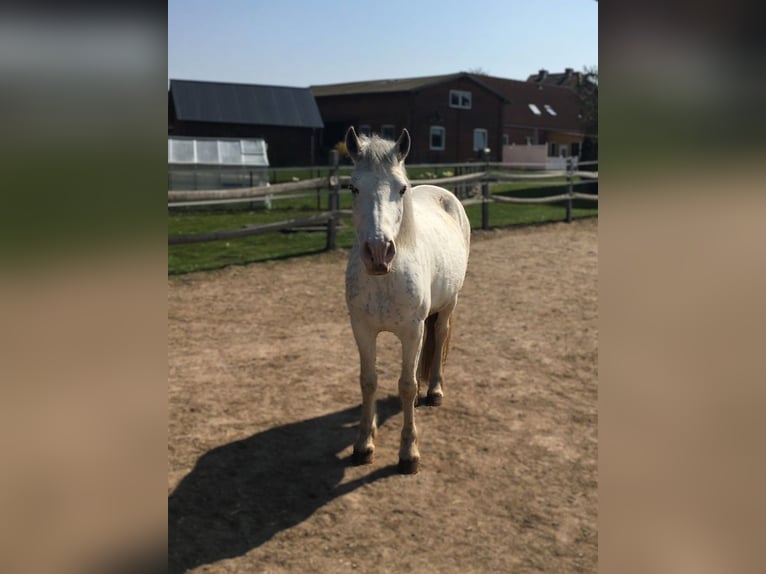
(378, 255)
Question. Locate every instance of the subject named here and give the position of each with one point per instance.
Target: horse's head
(382, 205)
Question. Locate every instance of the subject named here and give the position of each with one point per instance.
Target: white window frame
(535, 110)
(486, 139)
(463, 99)
(550, 110)
(431, 132)
(383, 130)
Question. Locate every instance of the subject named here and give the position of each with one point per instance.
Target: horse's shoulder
(429, 190)
(437, 195)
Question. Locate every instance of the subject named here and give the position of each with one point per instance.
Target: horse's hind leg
(441, 334)
(368, 380)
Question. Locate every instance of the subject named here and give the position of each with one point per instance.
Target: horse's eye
(401, 191)
(354, 189)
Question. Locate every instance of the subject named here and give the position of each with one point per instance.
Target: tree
(587, 92)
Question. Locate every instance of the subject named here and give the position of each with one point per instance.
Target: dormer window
(535, 110)
(550, 110)
(460, 99)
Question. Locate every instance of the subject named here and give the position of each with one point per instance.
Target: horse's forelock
(376, 150)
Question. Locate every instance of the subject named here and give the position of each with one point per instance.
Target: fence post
(334, 199)
(319, 191)
(485, 155)
(570, 193)
(485, 204)
(334, 206)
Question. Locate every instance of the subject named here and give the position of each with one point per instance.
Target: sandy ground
(263, 399)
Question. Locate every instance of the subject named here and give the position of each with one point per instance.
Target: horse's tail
(428, 350)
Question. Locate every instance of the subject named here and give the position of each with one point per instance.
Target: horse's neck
(407, 229)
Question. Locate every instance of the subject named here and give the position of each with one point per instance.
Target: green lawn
(214, 254)
(505, 214)
(276, 245)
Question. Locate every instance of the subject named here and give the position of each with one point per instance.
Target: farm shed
(210, 163)
(286, 118)
(542, 115)
(453, 117)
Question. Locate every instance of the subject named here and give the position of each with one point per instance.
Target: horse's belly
(449, 261)
(444, 290)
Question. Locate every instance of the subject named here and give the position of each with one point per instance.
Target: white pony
(406, 267)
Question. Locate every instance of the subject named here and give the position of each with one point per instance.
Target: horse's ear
(352, 144)
(403, 145)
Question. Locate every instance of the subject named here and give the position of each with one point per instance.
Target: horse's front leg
(368, 380)
(409, 456)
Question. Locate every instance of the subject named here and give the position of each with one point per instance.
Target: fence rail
(334, 183)
(245, 192)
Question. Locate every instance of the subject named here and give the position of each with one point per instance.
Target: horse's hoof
(434, 400)
(408, 466)
(361, 457)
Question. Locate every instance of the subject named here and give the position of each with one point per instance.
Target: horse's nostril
(390, 251)
(379, 254)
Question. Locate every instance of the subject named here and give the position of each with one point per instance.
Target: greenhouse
(216, 163)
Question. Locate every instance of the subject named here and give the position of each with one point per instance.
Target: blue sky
(303, 42)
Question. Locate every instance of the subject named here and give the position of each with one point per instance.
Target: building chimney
(568, 72)
(542, 74)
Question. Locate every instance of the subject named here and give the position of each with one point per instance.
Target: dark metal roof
(563, 102)
(394, 85)
(244, 104)
(377, 86)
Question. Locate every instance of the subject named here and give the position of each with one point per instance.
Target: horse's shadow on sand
(241, 494)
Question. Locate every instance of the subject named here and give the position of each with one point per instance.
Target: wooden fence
(490, 174)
